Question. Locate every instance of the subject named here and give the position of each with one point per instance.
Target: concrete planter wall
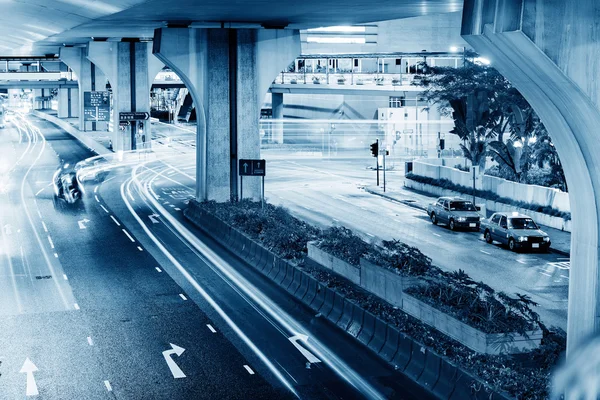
(340, 267)
(472, 338)
(493, 206)
(378, 280)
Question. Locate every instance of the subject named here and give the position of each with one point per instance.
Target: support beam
(544, 49)
(221, 69)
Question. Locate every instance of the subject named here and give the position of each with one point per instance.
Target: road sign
(252, 167)
(133, 116)
(96, 106)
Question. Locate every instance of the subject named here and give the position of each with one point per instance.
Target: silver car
(515, 230)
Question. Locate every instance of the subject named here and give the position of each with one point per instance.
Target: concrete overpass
(215, 47)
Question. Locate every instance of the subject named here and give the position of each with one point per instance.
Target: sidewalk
(561, 240)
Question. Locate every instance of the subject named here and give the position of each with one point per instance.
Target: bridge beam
(546, 49)
(220, 68)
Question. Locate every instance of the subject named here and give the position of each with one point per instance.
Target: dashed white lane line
(39, 213)
(249, 370)
(213, 330)
(96, 189)
(50, 241)
(108, 387)
(104, 208)
(485, 252)
(115, 220)
(90, 341)
(177, 209)
(564, 276)
(368, 234)
(543, 273)
(437, 234)
(182, 296)
(171, 205)
(65, 277)
(98, 200)
(336, 220)
(128, 235)
(56, 255)
(521, 262)
(45, 228)
(76, 306)
(140, 248)
(40, 191)
(158, 269)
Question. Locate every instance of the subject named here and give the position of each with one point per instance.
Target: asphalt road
(119, 297)
(330, 193)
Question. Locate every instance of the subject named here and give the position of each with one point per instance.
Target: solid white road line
(249, 370)
(128, 235)
(158, 269)
(50, 240)
(485, 252)
(115, 220)
(213, 330)
(44, 225)
(40, 191)
(98, 200)
(76, 306)
(182, 296)
(104, 208)
(90, 341)
(108, 387)
(65, 277)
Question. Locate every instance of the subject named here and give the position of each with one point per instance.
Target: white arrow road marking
(307, 354)
(153, 218)
(249, 370)
(82, 223)
(8, 229)
(175, 370)
(29, 368)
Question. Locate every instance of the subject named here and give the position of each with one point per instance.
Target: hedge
(488, 195)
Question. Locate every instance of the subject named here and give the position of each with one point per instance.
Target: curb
(429, 370)
(418, 207)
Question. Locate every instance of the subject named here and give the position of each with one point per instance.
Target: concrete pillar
(545, 49)
(38, 99)
(14, 98)
(228, 72)
(130, 69)
(68, 103)
(89, 78)
(277, 125)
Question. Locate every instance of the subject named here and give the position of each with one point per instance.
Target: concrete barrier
(338, 308)
(415, 367)
(379, 336)
(303, 288)
(445, 384)
(289, 276)
(311, 292)
(431, 372)
(319, 299)
(390, 347)
(346, 317)
(357, 321)
(368, 328)
(327, 306)
(296, 281)
(404, 353)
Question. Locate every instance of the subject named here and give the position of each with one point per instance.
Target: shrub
(402, 258)
(462, 168)
(488, 195)
(343, 244)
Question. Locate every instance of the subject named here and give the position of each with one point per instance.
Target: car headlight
(522, 238)
(546, 239)
(461, 219)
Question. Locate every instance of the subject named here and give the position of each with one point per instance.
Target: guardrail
(346, 78)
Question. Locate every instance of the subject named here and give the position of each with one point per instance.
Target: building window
(396, 102)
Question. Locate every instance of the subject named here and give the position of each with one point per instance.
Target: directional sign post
(134, 116)
(250, 167)
(96, 106)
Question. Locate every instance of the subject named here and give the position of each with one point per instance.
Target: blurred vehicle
(516, 230)
(92, 169)
(456, 212)
(66, 187)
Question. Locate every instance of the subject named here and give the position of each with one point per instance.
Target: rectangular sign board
(96, 106)
(133, 116)
(252, 167)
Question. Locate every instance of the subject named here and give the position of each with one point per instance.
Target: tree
(545, 155)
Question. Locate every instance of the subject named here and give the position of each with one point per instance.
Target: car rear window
(462, 206)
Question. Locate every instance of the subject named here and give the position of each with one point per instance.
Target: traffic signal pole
(377, 161)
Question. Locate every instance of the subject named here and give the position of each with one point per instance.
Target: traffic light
(375, 149)
(442, 144)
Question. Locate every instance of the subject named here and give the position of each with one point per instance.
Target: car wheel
(434, 219)
(512, 245)
(452, 225)
(488, 237)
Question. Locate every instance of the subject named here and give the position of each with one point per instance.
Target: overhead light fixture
(340, 29)
(335, 40)
(453, 49)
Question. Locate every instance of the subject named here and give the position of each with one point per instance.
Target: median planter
(340, 267)
(384, 283)
(487, 343)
